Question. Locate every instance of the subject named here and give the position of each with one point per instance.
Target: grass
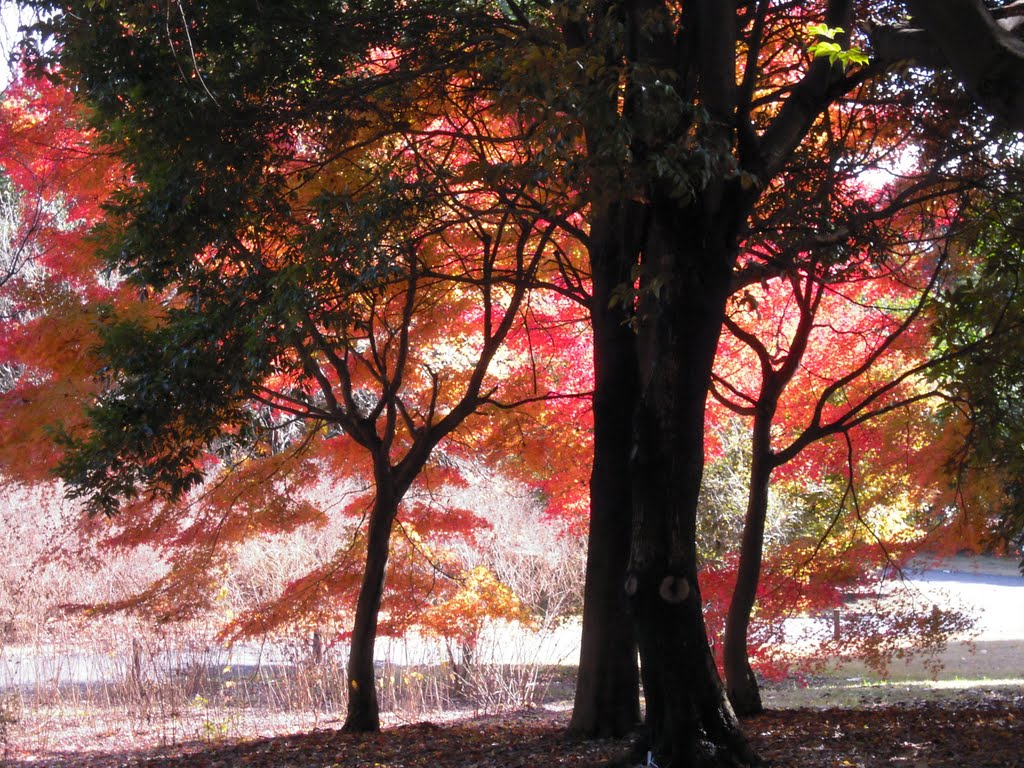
(966, 667)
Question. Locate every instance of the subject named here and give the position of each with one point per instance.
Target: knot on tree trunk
(674, 589)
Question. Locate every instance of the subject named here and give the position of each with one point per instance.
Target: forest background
(292, 355)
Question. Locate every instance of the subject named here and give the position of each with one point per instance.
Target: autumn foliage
(61, 300)
(252, 295)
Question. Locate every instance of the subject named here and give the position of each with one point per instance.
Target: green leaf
(824, 30)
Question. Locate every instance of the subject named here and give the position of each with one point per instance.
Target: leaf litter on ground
(980, 730)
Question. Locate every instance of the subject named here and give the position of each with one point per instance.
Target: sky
(8, 36)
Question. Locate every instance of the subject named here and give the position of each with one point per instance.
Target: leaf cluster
(981, 311)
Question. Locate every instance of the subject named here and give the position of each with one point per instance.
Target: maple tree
(893, 224)
(817, 347)
(260, 492)
(280, 331)
(802, 317)
(52, 292)
(393, 382)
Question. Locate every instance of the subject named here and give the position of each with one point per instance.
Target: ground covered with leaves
(985, 730)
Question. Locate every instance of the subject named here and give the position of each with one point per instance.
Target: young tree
(802, 322)
(807, 327)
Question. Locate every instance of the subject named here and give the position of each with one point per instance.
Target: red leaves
(62, 176)
(52, 283)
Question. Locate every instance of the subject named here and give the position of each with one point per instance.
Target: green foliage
(979, 322)
(832, 50)
(177, 388)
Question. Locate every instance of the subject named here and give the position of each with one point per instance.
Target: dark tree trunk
(987, 58)
(608, 680)
(740, 681)
(741, 684)
(363, 710)
(688, 257)
(691, 225)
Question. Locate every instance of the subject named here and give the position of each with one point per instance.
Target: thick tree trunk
(987, 59)
(741, 684)
(608, 680)
(363, 710)
(689, 721)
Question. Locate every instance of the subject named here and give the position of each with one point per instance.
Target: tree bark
(984, 56)
(688, 257)
(607, 702)
(741, 684)
(363, 709)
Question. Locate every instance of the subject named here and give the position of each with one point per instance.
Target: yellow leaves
(481, 597)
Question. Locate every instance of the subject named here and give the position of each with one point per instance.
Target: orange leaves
(479, 598)
(54, 354)
(321, 596)
(345, 298)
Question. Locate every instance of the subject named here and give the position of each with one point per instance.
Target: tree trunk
(987, 59)
(363, 710)
(607, 702)
(688, 256)
(740, 681)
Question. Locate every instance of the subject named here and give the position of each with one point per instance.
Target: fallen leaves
(956, 733)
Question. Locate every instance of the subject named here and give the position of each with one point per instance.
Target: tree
(700, 166)
(879, 370)
(808, 327)
(684, 187)
(312, 283)
(56, 185)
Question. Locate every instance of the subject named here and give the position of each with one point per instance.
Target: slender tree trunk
(608, 680)
(688, 256)
(317, 647)
(741, 684)
(363, 709)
